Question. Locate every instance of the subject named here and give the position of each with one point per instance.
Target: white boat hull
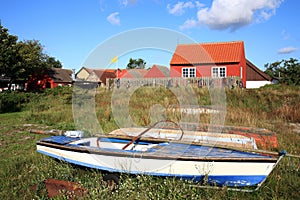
(229, 172)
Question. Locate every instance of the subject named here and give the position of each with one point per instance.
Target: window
(222, 72)
(185, 72)
(192, 72)
(215, 72)
(188, 72)
(219, 72)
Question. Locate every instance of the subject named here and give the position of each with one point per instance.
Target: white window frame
(189, 72)
(218, 72)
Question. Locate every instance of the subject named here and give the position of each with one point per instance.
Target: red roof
(120, 72)
(157, 71)
(134, 73)
(206, 53)
(60, 75)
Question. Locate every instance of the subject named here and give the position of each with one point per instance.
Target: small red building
(51, 78)
(216, 60)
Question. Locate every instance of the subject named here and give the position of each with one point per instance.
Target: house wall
(43, 83)
(203, 71)
(206, 70)
(82, 74)
(93, 78)
(107, 75)
(175, 71)
(243, 67)
(256, 84)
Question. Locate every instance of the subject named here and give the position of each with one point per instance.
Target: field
(23, 170)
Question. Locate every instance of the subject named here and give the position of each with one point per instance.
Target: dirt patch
(57, 187)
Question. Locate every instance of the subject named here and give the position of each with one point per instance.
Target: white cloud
(114, 19)
(234, 14)
(188, 24)
(199, 5)
(287, 50)
(180, 7)
(125, 3)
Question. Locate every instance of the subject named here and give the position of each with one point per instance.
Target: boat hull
(238, 172)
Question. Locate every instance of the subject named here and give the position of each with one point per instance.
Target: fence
(230, 82)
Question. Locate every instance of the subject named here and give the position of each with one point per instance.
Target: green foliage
(13, 101)
(136, 64)
(20, 60)
(287, 71)
(8, 50)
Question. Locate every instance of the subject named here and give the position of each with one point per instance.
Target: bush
(13, 101)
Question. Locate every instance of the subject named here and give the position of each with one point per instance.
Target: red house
(216, 60)
(157, 71)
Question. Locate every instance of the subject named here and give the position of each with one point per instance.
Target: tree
(136, 64)
(52, 63)
(8, 50)
(287, 71)
(20, 60)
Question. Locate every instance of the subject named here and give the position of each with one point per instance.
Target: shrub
(13, 101)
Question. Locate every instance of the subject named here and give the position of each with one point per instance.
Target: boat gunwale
(151, 155)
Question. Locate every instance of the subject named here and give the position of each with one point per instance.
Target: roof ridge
(227, 42)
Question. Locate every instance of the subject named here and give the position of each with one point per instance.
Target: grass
(22, 167)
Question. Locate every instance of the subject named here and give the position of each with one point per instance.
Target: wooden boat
(213, 161)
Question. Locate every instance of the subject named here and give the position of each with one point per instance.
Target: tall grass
(22, 168)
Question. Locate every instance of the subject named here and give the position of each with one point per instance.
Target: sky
(78, 31)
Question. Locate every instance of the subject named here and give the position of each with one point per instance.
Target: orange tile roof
(205, 53)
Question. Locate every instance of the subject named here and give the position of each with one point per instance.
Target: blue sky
(70, 30)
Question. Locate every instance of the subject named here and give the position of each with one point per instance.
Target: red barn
(216, 60)
(51, 78)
